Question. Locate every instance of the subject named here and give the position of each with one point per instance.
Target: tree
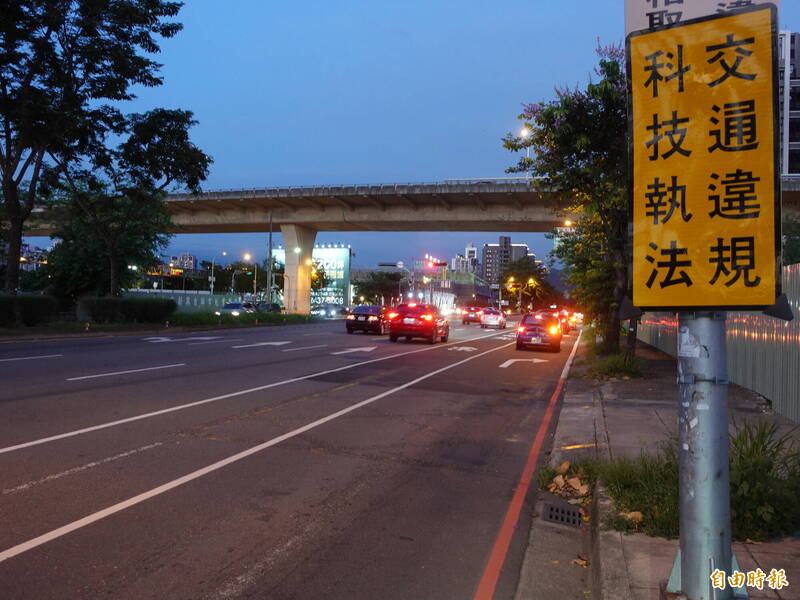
(580, 148)
(791, 241)
(64, 69)
(377, 286)
(116, 195)
(527, 280)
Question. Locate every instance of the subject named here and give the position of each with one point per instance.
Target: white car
(492, 317)
(236, 308)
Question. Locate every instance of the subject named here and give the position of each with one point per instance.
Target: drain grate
(561, 515)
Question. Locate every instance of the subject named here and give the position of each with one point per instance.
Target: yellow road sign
(705, 190)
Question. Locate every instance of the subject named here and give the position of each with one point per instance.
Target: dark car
(365, 318)
(471, 314)
(418, 320)
(267, 307)
(539, 329)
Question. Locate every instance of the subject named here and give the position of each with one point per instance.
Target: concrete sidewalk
(615, 419)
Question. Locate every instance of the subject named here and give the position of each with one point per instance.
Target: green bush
(765, 482)
(34, 310)
(617, 365)
(8, 311)
(132, 310)
(29, 310)
(764, 488)
(187, 319)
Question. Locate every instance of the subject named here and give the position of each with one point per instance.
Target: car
(493, 317)
(267, 307)
(415, 320)
(330, 311)
(368, 319)
(540, 329)
(471, 314)
(236, 308)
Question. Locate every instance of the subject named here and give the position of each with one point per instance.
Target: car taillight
(521, 329)
(427, 317)
(463, 312)
(393, 315)
(539, 317)
(372, 318)
(480, 313)
(351, 317)
(554, 330)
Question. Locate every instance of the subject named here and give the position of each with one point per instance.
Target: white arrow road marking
(262, 344)
(348, 351)
(463, 348)
(157, 340)
(508, 363)
(305, 348)
(161, 340)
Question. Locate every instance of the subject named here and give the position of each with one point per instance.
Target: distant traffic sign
(652, 14)
(705, 184)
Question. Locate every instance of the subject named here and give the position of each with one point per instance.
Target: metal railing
(763, 352)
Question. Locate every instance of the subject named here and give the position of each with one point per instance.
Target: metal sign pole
(705, 520)
(269, 261)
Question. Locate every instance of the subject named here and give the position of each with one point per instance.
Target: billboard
(335, 260)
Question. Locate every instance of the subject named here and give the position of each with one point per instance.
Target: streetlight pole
(269, 260)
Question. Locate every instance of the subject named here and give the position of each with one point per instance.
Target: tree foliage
(527, 280)
(579, 147)
(64, 69)
(378, 286)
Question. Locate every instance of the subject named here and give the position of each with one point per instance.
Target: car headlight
(332, 313)
(216, 312)
(235, 313)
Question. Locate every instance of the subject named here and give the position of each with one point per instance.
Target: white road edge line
(120, 506)
(305, 348)
(30, 357)
(126, 372)
(568, 365)
(267, 386)
(74, 470)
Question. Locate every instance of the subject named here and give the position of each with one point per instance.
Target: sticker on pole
(705, 187)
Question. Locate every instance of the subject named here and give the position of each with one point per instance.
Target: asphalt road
(293, 462)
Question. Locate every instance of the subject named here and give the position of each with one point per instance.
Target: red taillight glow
(463, 312)
(351, 317)
(427, 317)
(393, 315)
(480, 313)
(521, 329)
(554, 330)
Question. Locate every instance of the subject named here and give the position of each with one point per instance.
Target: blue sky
(346, 91)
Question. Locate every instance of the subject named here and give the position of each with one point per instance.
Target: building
(185, 261)
(497, 256)
(467, 262)
(789, 94)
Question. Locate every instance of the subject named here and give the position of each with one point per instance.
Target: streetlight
(212, 278)
(247, 256)
(524, 133)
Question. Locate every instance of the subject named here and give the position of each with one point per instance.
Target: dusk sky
(345, 91)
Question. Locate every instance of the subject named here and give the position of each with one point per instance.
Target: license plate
(535, 340)
(409, 321)
(362, 318)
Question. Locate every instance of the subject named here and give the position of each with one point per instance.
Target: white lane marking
(30, 357)
(267, 386)
(120, 506)
(161, 340)
(463, 348)
(262, 344)
(510, 362)
(222, 341)
(320, 333)
(350, 350)
(126, 372)
(305, 348)
(74, 470)
(565, 370)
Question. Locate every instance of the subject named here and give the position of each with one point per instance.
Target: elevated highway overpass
(504, 204)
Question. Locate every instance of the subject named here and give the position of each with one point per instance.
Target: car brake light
(351, 317)
(480, 313)
(393, 315)
(521, 329)
(463, 312)
(427, 317)
(553, 330)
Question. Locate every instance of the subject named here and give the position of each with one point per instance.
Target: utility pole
(269, 260)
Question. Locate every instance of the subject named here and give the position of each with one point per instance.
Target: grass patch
(764, 488)
(617, 366)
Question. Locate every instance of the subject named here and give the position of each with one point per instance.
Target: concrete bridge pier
(299, 243)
